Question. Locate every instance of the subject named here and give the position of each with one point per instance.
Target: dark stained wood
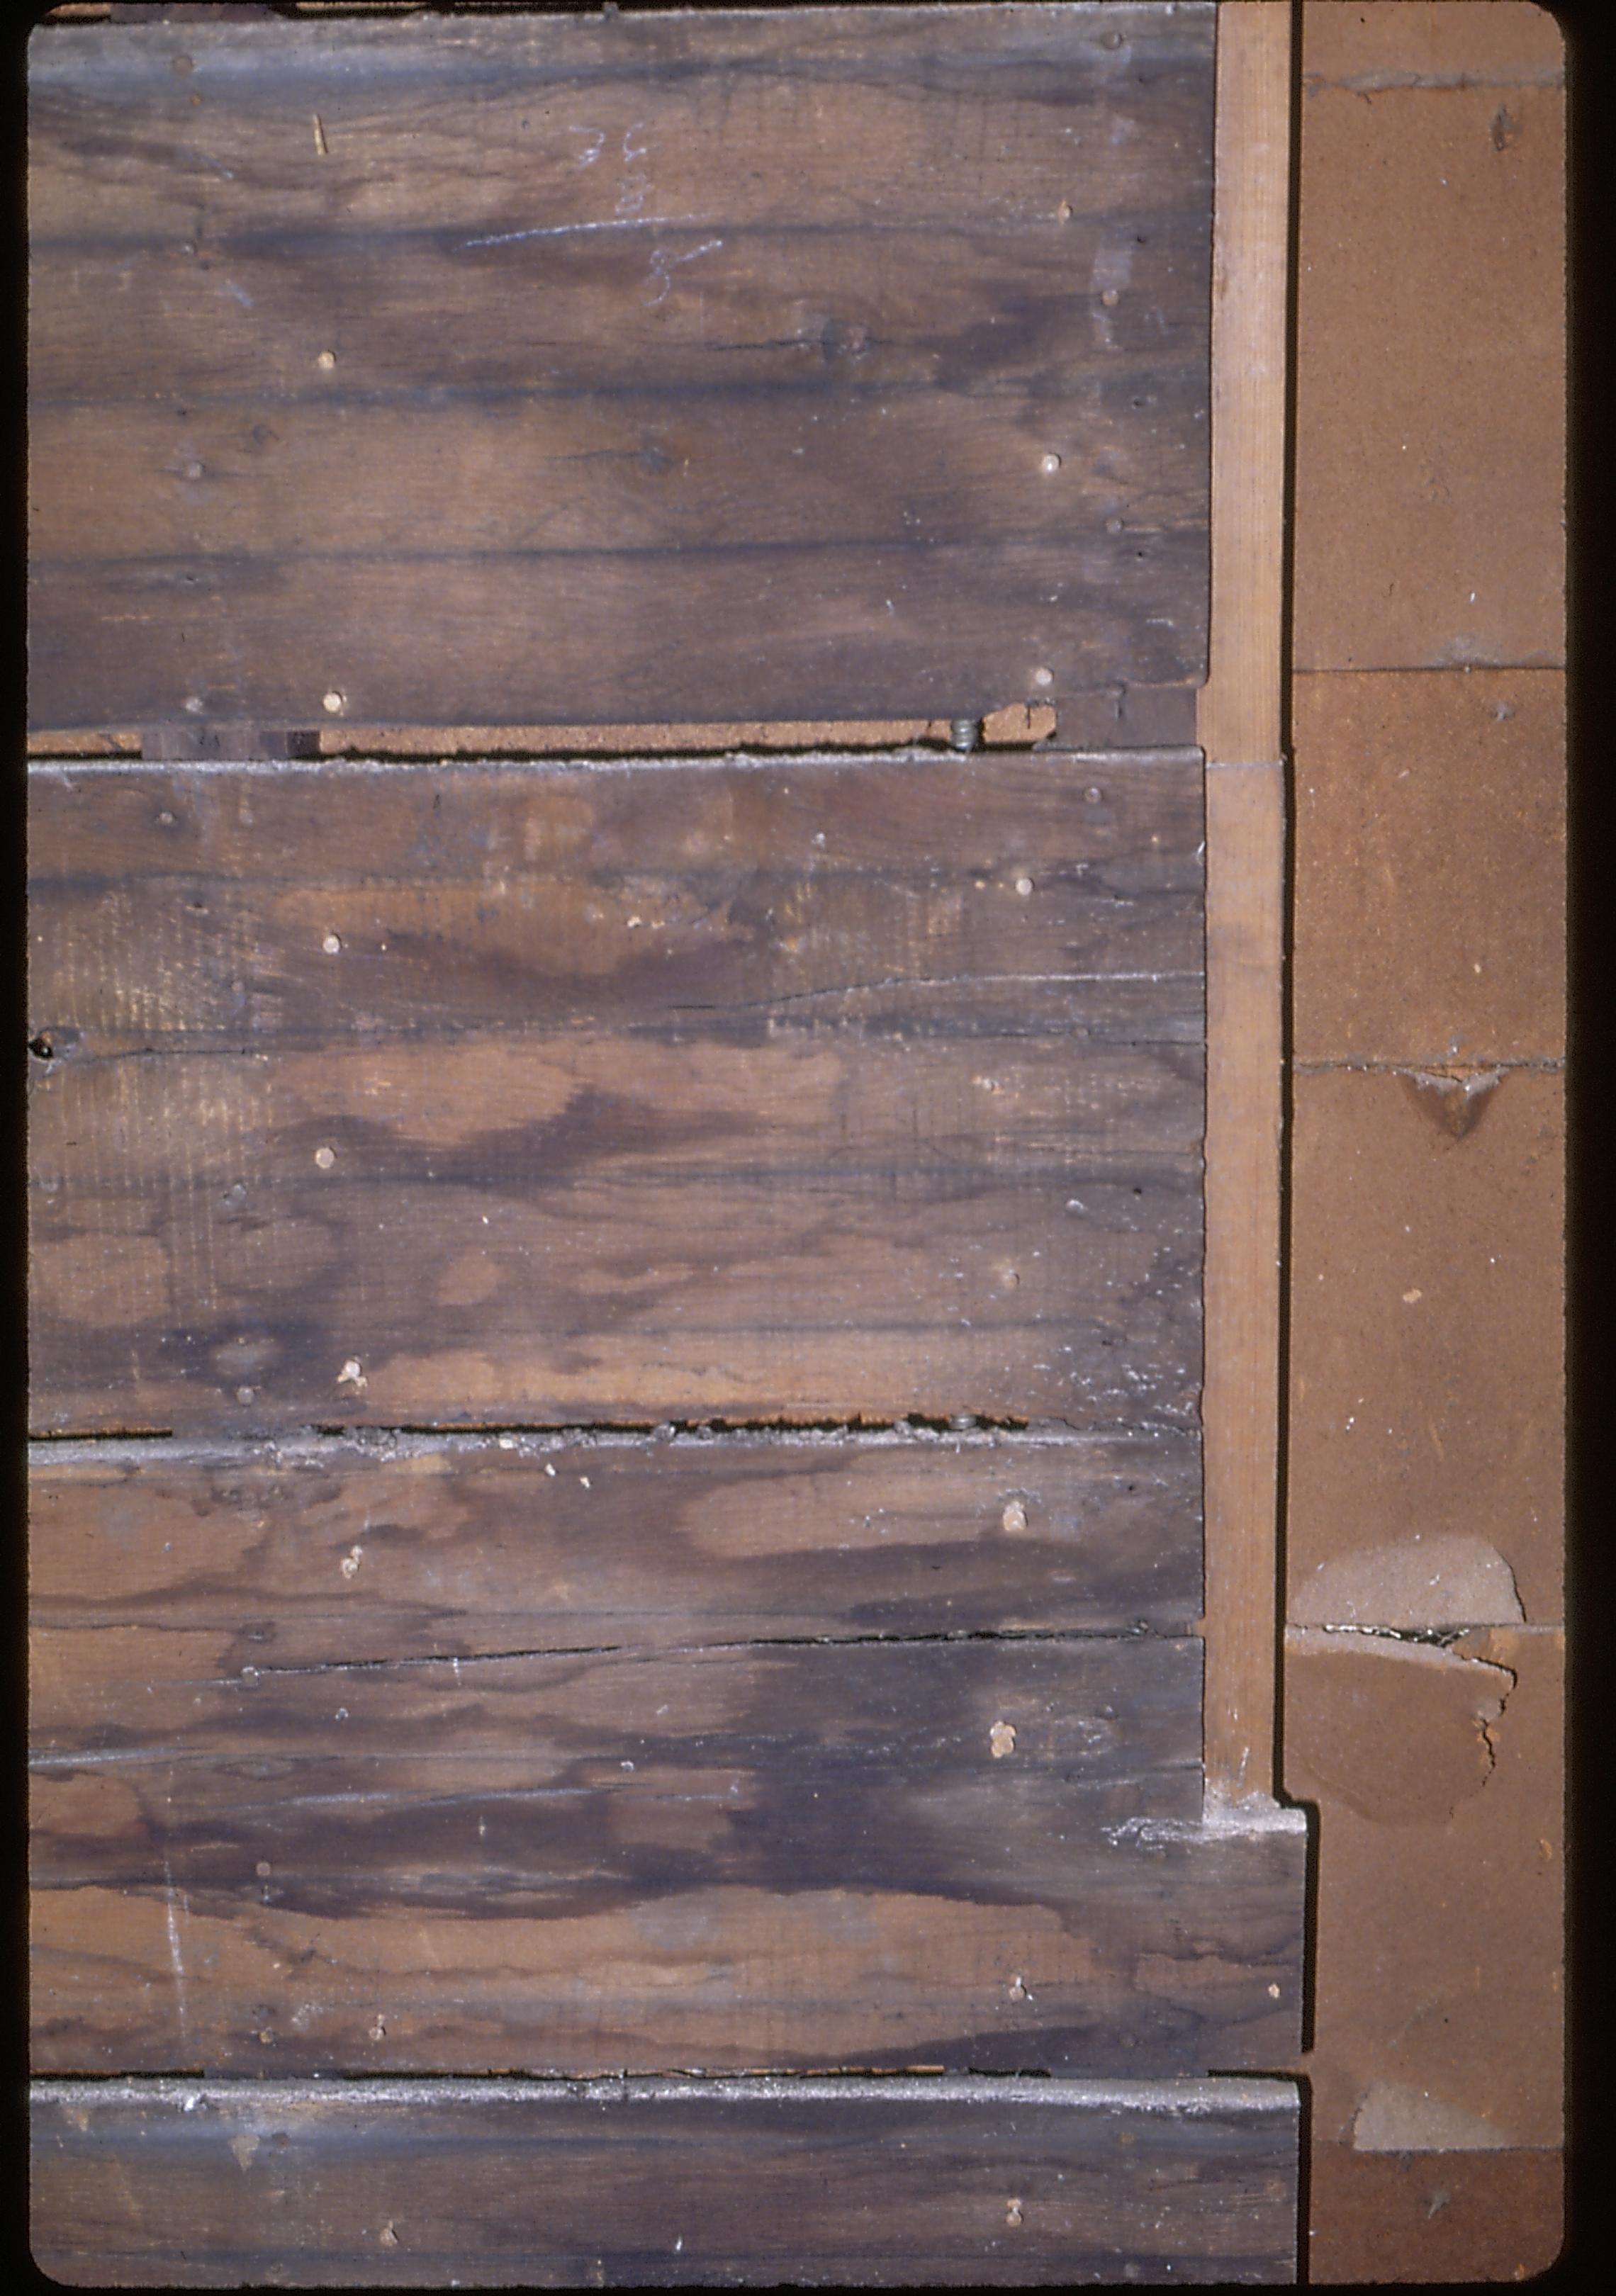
(464, 1547)
(810, 363)
(649, 471)
(886, 2183)
(805, 1089)
(472, 639)
(983, 1853)
(194, 907)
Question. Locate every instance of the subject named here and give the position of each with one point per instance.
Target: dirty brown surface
(1427, 1237)
(811, 1094)
(1427, 1343)
(1429, 853)
(1430, 381)
(1437, 2026)
(859, 389)
(1420, 2216)
(883, 2184)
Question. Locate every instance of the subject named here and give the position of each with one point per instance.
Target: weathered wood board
(975, 1853)
(528, 369)
(812, 1089)
(673, 1287)
(665, 2184)
(471, 1545)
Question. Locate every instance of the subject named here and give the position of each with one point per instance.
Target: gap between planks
(315, 1444)
(1215, 2093)
(469, 764)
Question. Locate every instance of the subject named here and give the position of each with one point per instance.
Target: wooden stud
(1239, 718)
(1240, 732)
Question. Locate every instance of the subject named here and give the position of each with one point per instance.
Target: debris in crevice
(324, 1439)
(1003, 1734)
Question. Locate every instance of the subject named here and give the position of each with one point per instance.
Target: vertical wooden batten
(1240, 732)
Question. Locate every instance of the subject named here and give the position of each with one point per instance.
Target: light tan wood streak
(1240, 704)
(1240, 731)
(1240, 1406)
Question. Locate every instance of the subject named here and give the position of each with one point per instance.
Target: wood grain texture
(1241, 732)
(473, 1545)
(984, 1853)
(809, 365)
(1244, 1121)
(1240, 705)
(640, 2183)
(815, 1089)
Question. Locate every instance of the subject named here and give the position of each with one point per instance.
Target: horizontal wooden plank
(813, 364)
(895, 2183)
(181, 905)
(627, 345)
(837, 629)
(305, 1552)
(814, 1089)
(983, 1852)
(952, 119)
(471, 1289)
(525, 474)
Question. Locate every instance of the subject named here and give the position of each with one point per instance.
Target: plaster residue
(1426, 1581)
(1393, 2117)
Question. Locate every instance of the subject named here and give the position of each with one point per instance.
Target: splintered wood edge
(1239, 723)
(1015, 727)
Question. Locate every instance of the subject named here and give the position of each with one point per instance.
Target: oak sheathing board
(814, 1090)
(978, 1853)
(467, 1544)
(658, 2183)
(528, 369)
